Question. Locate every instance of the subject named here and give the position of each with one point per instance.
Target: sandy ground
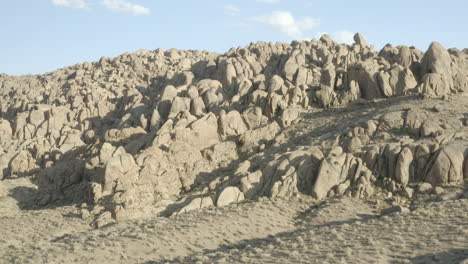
(297, 230)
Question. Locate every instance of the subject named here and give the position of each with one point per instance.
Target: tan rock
(446, 166)
(360, 40)
(329, 175)
(21, 164)
(231, 124)
(289, 115)
(403, 170)
(5, 130)
(404, 57)
(229, 195)
(119, 168)
(197, 107)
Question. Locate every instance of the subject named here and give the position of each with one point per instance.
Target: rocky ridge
(167, 132)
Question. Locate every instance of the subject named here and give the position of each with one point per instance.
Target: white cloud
(285, 23)
(80, 4)
(231, 10)
(268, 1)
(346, 37)
(126, 7)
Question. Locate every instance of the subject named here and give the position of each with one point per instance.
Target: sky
(39, 36)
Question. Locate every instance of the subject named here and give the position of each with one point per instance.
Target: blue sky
(39, 36)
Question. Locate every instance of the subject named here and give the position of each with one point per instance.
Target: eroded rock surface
(164, 132)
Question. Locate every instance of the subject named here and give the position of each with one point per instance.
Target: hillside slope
(148, 135)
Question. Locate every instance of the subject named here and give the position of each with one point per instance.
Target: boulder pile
(164, 132)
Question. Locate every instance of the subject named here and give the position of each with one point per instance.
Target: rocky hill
(161, 133)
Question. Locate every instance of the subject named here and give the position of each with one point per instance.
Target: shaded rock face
(360, 40)
(132, 135)
(436, 60)
(441, 72)
(446, 166)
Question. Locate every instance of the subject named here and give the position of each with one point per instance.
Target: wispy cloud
(79, 4)
(126, 7)
(231, 10)
(268, 1)
(343, 36)
(285, 23)
(346, 37)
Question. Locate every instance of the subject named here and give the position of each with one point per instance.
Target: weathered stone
(327, 40)
(179, 104)
(155, 122)
(250, 184)
(391, 121)
(276, 84)
(436, 60)
(360, 40)
(22, 164)
(288, 116)
(231, 124)
(229, 195)
(290, 69)
(250, 140)
(36, 117)
(404, 57)
(403, 170)
(446, 166)
(197, 107)
(329, 175)
(5, 130)
(254, 118)
(436, 71)
(120, 168)
(424, 187)
(196, 204)
(364, 73)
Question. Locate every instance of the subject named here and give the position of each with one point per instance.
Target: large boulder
(254, 118)
(436, 60)
(327, 40)
(403, 166)
(231, 124)
(229, 195)
(434, 85)
(404, 57)
(360, 40)
(200, 134)
(179, 104)
(289, 115)
(22, 164)
(436, 71)
(158, 174)
(120, 169)
(333, 171)
(365, 73)
(197, 106)
(196, 204)
(276, 84)
(397, 81)
(250, 184)
(446, 166)
(250, 140)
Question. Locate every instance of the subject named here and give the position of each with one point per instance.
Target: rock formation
(148, 131)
